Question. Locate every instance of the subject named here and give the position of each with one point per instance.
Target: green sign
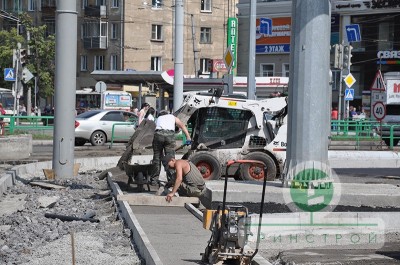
(232, 38)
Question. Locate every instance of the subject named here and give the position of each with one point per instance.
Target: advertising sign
(232, 38)
(393, 91)
(278, 41)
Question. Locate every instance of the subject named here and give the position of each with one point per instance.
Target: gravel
(28, 237)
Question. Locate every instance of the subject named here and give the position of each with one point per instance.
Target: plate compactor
(229, 226)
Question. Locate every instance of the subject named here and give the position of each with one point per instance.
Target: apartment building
(136, 35)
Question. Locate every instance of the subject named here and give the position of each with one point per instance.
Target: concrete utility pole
(309, 93)
(65, 89)
(251, 79)
(178, 60)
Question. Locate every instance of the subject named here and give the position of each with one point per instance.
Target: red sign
(219, 66)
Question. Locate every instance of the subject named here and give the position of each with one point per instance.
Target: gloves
(188, 142)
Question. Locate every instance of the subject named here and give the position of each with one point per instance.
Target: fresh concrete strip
(142, 242)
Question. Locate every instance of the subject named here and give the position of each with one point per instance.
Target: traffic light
(23, 57)
(347, 56)
(336, 56)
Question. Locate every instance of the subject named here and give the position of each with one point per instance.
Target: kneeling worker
(188, 179)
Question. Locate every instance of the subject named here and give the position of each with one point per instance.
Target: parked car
(95, 126)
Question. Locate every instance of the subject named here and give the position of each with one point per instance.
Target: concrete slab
(153, 200)
(177, 236)
(11, 204)
(351, 194)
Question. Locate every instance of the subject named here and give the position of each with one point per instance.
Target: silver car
(95, 126)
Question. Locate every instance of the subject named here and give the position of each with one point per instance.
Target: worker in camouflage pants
(164, 140)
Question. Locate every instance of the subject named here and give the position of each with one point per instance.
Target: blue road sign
(353, 33)
(266, 26)
(349, 94)
(9, 74)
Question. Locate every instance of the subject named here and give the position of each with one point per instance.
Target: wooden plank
(151, 200)
(46, 185)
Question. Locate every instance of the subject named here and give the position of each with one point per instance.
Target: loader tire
(255, 172)
(208, 165)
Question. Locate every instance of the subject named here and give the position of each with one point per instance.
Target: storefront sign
(388, 57)
(364, 5)
(393, 91)
(278, 41)
(232, 38)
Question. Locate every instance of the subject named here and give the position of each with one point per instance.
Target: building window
(155, 63)
(267, 70)
(100, 2)
(205, 5)
(31, 5)
(205, 35)
(99, 62)
(103, 29)
(114, 3)
(114, 31)
(84, 4)
(156, 3)
(17, 6)
(285, 70)
(50, 27)
(205, 65)
(156, 32)
(114, 62)
(83, 62)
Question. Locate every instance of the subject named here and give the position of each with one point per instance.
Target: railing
(365, 130)
(113, 137)
(27, 123)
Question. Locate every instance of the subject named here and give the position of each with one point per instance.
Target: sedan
(95, 126)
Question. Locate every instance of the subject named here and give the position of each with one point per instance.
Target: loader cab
(220, 128)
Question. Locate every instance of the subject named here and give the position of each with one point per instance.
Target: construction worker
(188, 179)
(164, 140)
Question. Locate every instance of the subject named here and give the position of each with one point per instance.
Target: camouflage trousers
(163, 144)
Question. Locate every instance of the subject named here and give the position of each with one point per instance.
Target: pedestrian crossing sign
(349, 94)
(9, 74)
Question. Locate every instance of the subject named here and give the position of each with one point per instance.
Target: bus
(7, 100)
(88, 99)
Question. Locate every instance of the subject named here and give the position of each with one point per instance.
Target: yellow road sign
(349, 80)
(228, 59)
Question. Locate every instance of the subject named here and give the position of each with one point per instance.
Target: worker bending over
(188, 179)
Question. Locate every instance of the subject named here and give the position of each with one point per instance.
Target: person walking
(2, 112)
(334, 118)
(164, 140)
(188, 180)
(142, 112)
(150, 114)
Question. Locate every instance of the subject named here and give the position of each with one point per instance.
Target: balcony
(95, 43)
(96, 11)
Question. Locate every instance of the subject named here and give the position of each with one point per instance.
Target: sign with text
(232, 38)
(379, 110)
(393, 91)
(279, 39)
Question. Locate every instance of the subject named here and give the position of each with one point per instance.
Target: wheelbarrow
(139, 175)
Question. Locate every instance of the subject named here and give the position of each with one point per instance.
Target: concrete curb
(146, 250)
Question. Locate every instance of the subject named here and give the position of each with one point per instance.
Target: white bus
(87, 99)
(7, 100)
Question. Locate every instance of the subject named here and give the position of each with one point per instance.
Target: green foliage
(42, 59)
(8, 42)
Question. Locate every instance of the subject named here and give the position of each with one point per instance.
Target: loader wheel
(207, 164)
(255, 172)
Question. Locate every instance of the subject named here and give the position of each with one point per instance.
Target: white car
(95, 126)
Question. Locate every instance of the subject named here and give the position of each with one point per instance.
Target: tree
(42, 58)
(8, 42)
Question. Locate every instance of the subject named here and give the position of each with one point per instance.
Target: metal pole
(178, 60)
(309, 93)
(251, 79)
(65, 88)
(196, 72)
(16, 85)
